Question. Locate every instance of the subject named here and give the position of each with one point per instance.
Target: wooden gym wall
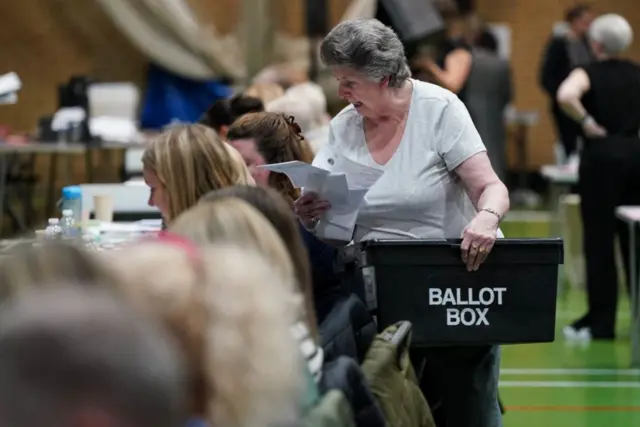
(47, 41)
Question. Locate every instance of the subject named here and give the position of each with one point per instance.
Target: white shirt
(418, 195)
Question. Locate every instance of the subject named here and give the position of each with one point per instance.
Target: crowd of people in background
(238, 314)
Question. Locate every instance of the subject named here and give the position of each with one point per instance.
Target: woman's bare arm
(457, 66)
(571, 92)
(484, 188)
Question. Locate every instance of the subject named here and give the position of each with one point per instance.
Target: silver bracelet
(492, 211)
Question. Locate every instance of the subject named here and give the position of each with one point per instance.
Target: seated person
(264, 138)
(244, 365)
(223, 112)
(234, 221)
(184, 163)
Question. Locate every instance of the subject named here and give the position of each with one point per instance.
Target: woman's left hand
(478, 238)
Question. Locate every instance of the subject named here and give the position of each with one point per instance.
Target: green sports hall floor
(560, 384)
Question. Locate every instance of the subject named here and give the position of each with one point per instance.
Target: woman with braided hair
(265, 138)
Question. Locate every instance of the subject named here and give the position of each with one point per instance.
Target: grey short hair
(613, 32)
(369, 47)
(64, 348)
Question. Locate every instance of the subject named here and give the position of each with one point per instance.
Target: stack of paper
(345, 191)
(10, 84)
(114, 110)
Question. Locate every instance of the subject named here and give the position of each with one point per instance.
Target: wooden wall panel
(48, 41)
(531, 23)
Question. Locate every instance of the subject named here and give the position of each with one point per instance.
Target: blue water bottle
(72, 200)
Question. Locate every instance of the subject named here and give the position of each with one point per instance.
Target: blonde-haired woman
(235, 336)
(51, 264)
(234, 221)
(265, 91)
(184, 163)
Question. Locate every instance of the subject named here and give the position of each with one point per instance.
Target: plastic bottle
(53, 230)
(72, 199)
(68, 225)
(89, 242)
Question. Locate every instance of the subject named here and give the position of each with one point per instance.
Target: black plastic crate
(511, 299)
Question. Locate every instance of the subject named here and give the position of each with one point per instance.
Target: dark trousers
(461, 384)
(568, 130)
(609, 177)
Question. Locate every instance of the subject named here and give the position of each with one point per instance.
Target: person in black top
(562, 54)
(222, 113)
(451, 64)
(604, 98)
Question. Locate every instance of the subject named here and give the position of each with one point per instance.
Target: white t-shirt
(418, 195)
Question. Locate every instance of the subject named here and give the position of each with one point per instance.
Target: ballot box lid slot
(447, 252)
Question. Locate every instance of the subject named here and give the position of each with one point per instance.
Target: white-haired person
(308, 104)
(604, 98)
(437, 182)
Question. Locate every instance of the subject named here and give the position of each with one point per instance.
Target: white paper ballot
(339, 223)
(301, 175)
(345, 191)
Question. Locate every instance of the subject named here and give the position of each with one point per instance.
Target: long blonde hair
(265, 91)
(275, 209)
(234, 221)
(233, 324)
(191, 160)
(51, 264)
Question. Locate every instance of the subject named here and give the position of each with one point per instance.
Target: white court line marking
(575, 314)
(569, 384)
(570, 372)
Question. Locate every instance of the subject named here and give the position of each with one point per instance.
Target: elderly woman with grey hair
(436, 182)
(604, 98)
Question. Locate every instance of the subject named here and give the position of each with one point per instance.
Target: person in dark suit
(488, 92)
(563, 54)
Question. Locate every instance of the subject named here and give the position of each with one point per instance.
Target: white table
(560, 179)
(131, 197)
(560, 175)
(631, 215)
(54, 149)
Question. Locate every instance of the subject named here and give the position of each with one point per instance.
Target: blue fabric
(173, 98)
(196, 422)
(326, 281)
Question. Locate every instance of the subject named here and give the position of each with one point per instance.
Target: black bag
(510, 299)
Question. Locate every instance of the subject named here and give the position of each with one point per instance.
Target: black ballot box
(510, 299)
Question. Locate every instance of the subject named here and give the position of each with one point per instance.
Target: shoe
(577, 334)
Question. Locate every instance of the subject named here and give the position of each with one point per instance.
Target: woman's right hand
(592, 129)
(309, 208)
